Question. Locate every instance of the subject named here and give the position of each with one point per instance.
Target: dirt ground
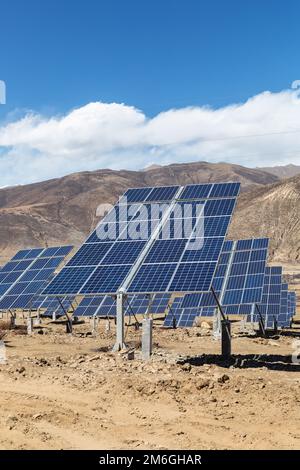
(60, 391)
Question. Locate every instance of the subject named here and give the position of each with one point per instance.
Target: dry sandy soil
(60, 391)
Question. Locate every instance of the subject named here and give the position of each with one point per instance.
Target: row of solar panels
(163, 263)
(243, 284)
(271, 295)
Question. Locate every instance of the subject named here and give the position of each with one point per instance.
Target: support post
(54, 316)
(217, 327)
(120, 339)
(217, 324)
(12, 320)
(94, 325)
(147, 339)
(275, 326)
(252, 313)
(29, 325)
(69, 326)
(226, 338)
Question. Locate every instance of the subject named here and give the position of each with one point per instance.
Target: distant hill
(63, 210)
(287, 171)
(272, 211)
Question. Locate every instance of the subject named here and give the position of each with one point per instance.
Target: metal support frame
(217, 328)
(226, 338)
(12, 319)
(94, 325)
(261, 322)
(120, 339)
(149, 308)
(252, 313)
(275, 325)
(147, 338)
(29, 325)
(225, 329)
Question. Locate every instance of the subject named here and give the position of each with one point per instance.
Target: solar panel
(271, 299)
(137, 304)
(238, 282)
(174, 313)
(58, 307)
(163, 261)
(27, 274)
(292, 303)
(284, 318)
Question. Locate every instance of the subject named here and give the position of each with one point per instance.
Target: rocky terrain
(70, 392)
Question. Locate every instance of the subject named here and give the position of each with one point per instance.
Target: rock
(21, 370)
(273, 343)
(202, 383)
(205, 325)
(186, 367)
(223, 378)
(94, 358)
(37, 416)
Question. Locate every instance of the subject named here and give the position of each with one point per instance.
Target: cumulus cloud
(265, 130)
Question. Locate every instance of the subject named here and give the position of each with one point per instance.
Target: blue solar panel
(71, 278)
(196, 191)
(284, 318)
(168, 269)
(28, 275)
(235, 283)
(137, 195)
(59, 307)
(21, 255)
(165, 193)
(105, 279)
(90, 254)
(271, 300)
(88, 306)
(292, 303)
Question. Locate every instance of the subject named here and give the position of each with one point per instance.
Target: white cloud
(101, 135)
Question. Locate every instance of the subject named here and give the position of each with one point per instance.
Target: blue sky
(58, 55)
(154, 55)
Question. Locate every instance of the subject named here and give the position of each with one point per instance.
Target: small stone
(203, 383)
(186, 367)
(223, 378)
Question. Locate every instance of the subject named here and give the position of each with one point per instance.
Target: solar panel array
(27, 274)
(165, 262)
(238, 282)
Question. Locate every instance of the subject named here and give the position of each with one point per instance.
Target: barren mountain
(63, 210)
(272, 211)
(286, 171)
